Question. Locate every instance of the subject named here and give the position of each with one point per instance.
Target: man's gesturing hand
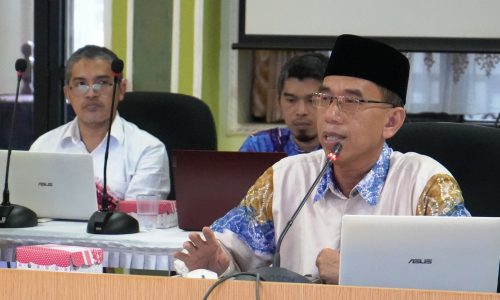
(204, 253)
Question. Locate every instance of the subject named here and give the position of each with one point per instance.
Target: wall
(178, 46)
(443, 18)
(152, 45)
(119, 23)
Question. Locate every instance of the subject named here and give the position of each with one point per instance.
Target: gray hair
(89, 52)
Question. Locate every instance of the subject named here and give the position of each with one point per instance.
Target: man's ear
(66, 93)
(395, 119)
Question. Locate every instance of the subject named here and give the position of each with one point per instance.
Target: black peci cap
(368, 59)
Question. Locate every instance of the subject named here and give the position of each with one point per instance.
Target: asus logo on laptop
(424, 261)
(45, 184)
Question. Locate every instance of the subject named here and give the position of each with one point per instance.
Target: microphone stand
(12, 215)
(275, 272)
(104, 221)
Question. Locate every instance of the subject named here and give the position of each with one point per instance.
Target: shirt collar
(117, 129)
(73, 132)
(369, 187)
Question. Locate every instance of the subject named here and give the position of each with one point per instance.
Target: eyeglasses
(83, 88)
(345, 104)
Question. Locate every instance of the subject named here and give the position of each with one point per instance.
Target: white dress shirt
(137, 161)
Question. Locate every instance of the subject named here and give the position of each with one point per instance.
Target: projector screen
(425, 25)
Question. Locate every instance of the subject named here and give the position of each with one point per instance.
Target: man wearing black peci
(360, 104)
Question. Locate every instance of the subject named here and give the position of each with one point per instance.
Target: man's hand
(204, 254)
(328, 262)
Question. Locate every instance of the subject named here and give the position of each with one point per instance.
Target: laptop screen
(442, 253)
(53, 185)
(210, 183)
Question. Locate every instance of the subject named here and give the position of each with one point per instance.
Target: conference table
(151, 250)
(29, 284)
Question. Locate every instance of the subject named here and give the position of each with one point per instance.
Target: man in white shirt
(360, 104)
(137, 161)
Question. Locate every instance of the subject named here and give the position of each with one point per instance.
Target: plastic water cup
(147, 211)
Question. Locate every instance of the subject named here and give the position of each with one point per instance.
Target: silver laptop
(438, 253)
(53, 185)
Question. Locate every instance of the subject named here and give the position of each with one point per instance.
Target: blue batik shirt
(272, 140)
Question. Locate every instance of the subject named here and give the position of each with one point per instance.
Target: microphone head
(332, 156)
(117, 66)
(21, 65)
(337, 148)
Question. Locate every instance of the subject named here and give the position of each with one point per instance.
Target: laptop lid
(210, 183)
(53, 185)
(438, 253)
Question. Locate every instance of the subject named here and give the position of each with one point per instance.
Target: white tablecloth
(144, 250)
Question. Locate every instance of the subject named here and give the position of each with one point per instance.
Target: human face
(297, 110)
(93, 108)
(362, 133)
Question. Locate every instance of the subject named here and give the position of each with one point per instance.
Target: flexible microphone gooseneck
(275, 272)
(117, 68)
(104, 221)
(12, 215)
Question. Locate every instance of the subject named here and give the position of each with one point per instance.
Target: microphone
(117, 68)
(275, 272)
(104, 221)
(12, 215)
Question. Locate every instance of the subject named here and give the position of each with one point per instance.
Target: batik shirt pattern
(272, 140)
(398, 184)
